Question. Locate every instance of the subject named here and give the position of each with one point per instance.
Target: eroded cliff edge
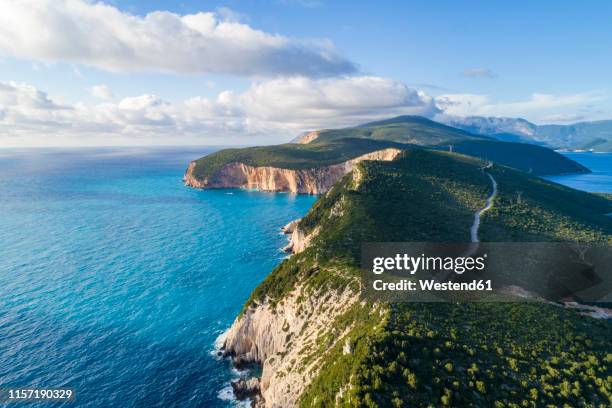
(283, 340)
(303, 181)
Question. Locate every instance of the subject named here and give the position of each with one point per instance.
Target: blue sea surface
(600, 178)
(116, 279)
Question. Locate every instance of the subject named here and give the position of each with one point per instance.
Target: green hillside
(292, 156)
(527, 157)
(403, 129)
(421, 131)
(405, 355)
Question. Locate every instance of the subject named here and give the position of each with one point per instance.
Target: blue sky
(331, 63)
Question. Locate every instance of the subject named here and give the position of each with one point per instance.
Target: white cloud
(332, 102)
(26, 97)
(102, 36)
(267, 112)
(538, 107)
(227, 14)
(479, 73)
(101, 92)
(563, 117)
(462, 104)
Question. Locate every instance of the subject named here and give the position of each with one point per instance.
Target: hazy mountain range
(596, 136)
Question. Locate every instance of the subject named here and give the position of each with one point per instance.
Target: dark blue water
(115, 279)
(599, 181)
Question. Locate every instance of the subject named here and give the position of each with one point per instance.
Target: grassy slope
(526, 157)
(421, 131)
(420, 354)
(404, 129)
(291, 156)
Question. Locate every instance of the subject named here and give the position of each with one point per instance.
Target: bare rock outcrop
(247, 389)
(280, 339)
(290, 227)
(308, 137)
(299, 240)
(316, 180)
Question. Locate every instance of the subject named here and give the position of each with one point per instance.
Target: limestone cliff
(281, 338)
(308, 137)
(298, 240)
(284, 337)
(304, 181)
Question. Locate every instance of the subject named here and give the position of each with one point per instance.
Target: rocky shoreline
(248, 389)
(274, 338)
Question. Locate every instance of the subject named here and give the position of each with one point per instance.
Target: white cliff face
(288, 229)
(304, 181)
(281, 338)
(308, 137)
(299, 240)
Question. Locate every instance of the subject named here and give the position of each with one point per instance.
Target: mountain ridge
(587, 135)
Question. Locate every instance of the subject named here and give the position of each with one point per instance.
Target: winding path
(488, 205)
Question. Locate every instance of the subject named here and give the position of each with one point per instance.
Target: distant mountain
(596, 136)
(583, 135)
(493, 125)
(415, 130)
(530, 158)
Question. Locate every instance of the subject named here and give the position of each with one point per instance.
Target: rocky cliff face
(284, 337)
(281, 338)
(298, 240)
(308, 137)
(304, 181)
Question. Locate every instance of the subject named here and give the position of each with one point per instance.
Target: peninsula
(321, 343)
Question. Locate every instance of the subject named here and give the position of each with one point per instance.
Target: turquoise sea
(599, 181)
(116, 280)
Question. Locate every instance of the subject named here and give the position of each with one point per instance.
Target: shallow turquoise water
(115, 279)
(599, 181)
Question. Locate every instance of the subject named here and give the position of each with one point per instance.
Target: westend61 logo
(412, 264)
(406, 264)
(512, 271)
